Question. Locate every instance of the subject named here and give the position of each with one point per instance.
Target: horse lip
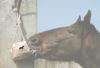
(40, 49)
(34, 50)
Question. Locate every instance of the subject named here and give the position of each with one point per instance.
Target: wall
(8, 28)
(42, 63)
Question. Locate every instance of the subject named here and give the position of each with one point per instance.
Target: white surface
(8, 28)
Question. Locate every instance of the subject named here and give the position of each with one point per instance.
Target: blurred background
(59, 13)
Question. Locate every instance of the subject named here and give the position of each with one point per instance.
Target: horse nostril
(21, 47)
(34, 40)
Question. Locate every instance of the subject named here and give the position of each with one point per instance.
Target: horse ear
(87, 17)
(79, 19)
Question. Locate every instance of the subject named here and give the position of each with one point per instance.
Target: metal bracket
(16, 8)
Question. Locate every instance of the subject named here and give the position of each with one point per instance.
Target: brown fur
(79, 42)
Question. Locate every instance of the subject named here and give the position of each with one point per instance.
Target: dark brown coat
(79, 42)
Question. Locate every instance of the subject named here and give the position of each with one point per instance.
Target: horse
(79, 42)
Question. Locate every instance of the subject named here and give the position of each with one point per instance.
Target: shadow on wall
(23, 29)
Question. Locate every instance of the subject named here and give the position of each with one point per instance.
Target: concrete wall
(8, 28)
(42, 63)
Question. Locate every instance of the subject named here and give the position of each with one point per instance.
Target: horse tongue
(33, 51)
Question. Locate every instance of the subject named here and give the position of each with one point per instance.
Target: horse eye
(71, 31)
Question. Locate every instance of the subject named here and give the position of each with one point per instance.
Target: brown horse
(79, 42)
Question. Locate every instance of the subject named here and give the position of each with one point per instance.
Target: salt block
(20, 51)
